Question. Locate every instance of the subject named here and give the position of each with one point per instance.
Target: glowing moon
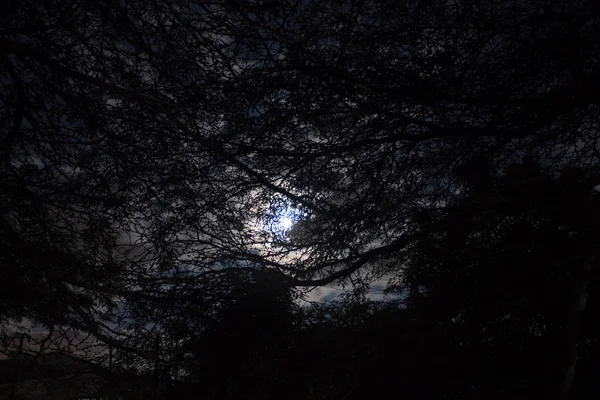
(286, 222)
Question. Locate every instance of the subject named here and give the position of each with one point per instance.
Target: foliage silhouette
(149, 149)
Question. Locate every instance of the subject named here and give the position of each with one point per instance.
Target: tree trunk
(577, 304)
(15, 382)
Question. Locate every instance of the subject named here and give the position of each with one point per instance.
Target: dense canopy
(165, 161)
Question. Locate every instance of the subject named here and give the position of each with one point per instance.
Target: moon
(286, 222)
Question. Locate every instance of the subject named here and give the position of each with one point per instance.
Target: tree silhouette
(508, 275)
(146, 146)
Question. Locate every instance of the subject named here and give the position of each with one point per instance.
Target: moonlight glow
(283, 220)
(286, 222)
(280, 216)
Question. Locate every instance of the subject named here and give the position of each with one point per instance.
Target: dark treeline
(176, 176)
